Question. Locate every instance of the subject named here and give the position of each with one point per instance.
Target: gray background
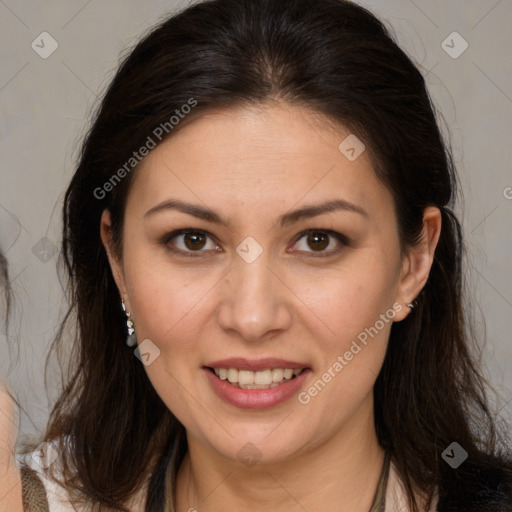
(46, 104)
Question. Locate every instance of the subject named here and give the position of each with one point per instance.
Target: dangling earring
(131, 339)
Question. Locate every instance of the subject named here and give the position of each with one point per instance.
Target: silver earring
(131, 339)
(413, 304)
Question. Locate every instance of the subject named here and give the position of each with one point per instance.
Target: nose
(256, 303)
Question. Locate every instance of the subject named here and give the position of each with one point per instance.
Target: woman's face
(251, 295)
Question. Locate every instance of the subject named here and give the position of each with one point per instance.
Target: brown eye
(316, 241)
(189, 241)
(194, 241)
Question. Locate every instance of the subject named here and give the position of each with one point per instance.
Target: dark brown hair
(5, 290)
(339, 60)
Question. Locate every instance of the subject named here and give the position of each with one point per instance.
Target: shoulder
(39, 461)
(46, 455)
(483, 483)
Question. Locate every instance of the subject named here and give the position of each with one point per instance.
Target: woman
(266, 274)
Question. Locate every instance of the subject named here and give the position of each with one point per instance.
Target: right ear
(115, 265)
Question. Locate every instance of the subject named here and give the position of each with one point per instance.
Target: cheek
(356, 304)
(166, 299)
(360, 316)
(351, 298)
(167, 303)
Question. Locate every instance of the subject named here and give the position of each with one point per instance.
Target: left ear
(418, 261)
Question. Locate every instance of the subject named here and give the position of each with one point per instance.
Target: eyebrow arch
(208, 215)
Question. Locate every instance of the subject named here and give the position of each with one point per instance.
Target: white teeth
(245, 378)
(277, 375)
(262, 379)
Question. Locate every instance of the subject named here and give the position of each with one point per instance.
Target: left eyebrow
(209, 215)
(319, 209)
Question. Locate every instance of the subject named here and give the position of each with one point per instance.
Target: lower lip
(255, 398)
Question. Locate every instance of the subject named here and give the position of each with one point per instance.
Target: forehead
(267, 157)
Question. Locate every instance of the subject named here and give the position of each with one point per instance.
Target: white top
(57, 496)
(58, 500)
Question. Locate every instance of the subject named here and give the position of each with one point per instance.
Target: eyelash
(344, 241)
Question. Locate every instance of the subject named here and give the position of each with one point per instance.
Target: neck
(343, 470)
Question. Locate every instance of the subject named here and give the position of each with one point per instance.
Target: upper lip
(255, 365)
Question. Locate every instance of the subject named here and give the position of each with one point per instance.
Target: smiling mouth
(263, 379)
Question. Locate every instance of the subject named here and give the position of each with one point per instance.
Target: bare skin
(251, 166)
